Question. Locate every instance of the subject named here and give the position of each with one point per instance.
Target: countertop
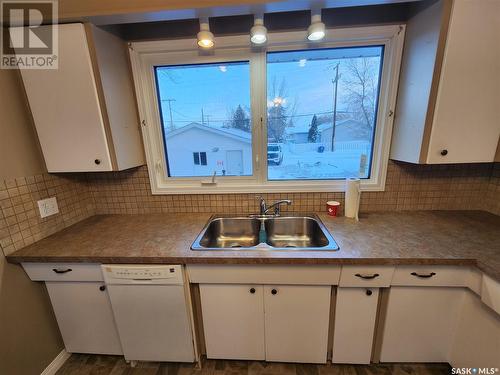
(417, 237)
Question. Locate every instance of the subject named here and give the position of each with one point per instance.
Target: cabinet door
(466, 119)
(477, 337)
(296, 319)
(355, 315)
(84, 315)
(65, 107)
(420, 323)
(233, 321)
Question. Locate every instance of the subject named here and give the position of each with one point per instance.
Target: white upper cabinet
(85, 112)
(448, 101)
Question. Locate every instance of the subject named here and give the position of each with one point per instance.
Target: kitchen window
(206, 105)
(296, 116)
(321, 112)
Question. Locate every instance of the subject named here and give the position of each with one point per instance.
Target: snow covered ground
(315, 165)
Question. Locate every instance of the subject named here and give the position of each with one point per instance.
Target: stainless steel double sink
(256, 232)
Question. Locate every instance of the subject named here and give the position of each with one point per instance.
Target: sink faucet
(276, 205)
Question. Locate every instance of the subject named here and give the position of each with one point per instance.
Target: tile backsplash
(408, 187)
(80, 195)
(20, 222)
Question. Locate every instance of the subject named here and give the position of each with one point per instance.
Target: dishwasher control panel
(158, 273)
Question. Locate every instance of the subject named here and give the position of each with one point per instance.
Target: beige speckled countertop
(420, 237)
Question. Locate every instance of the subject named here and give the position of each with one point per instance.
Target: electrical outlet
(48, 207)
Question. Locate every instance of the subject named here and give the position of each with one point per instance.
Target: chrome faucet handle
(262, 204)
(277, 206)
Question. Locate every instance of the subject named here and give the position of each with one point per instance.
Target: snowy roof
(233, 133)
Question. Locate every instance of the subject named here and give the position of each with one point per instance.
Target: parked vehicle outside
(274, 154)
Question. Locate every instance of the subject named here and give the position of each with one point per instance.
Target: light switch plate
(48, 207)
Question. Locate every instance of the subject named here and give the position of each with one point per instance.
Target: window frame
(146, 55)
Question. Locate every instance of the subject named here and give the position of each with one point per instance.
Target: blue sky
(220, 88)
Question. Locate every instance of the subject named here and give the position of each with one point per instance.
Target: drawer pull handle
(423, 276)
(62, 271)
(367, 277)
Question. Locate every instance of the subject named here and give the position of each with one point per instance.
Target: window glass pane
(205, 112)
(322, 108)
(203, 158)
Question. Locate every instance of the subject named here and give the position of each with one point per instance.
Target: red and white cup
(332, 208)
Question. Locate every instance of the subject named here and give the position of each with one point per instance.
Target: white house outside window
(293, 117)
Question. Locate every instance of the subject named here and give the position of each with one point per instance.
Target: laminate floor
(80, 364)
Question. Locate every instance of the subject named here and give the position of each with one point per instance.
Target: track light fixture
(258, 33)
(316, 30)
(205, 37)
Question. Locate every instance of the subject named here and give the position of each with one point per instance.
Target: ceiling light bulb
(258, 33)
(205, 37)
(316, 30)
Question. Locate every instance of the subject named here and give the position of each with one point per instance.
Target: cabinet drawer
(369, 276)
(431, 276)
(317, 274)
(63, 271)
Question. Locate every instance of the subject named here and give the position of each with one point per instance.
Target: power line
(169, 101)
(229, 119)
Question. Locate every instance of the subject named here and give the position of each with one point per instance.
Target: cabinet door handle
(426, 276)
(274, 292)
(367, 277)
(56, 270)
(102, 288)
(252, 290)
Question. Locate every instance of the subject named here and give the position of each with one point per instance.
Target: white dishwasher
(151, 312)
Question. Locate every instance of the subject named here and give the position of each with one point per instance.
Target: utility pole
(335, 83)
(202, 117)
(208, 120)
(169, 101)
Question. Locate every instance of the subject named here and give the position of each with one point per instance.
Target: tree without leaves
(361, 84)
(312, 135)
(279, 115)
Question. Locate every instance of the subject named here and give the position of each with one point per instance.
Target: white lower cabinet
(286, 323)
(477, 338)
(233, 321)
(296, 323)
(84, 316)
(420, 323)
(355, 315)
